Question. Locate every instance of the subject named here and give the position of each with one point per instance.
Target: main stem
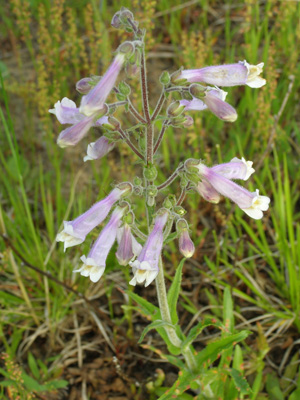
(160, 281)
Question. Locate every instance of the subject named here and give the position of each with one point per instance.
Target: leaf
(228, 318)
(295, 395)
(213, 350)
(147, 307)
(181, 385)
(273, 388)
(33, 366)
(57, 384)
(171, 359)
(240, 382)
(155, 325)
(174, 291)
(196, 330)
(32, 384)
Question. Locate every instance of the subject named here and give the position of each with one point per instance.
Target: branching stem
(159, 105)
(131, 145)
(171, 178)
(161, 135)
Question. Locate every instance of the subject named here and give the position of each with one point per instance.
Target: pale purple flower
(72, 135)
(94, 101)
(75, 231)
(219, 177)
(94, 264)
(145, 267)
(206, 190)
(186, 245)
(213, 99)
(98, 149)
(241, 73)
(66, 112)
(129, 247)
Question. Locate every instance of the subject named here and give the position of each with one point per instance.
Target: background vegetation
(51, 336)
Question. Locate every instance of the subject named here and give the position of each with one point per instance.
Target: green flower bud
(179, 210)
(150, 172)
(137, 181)
(164, 78)
(197, 90)
(175, 109)
(170, 201)
(152, 190)
(112, 125)
(129, 218)
(124, 89)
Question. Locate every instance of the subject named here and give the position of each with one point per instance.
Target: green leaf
(171, 359)
(174, 291)
(196, 330)
(240, 382)
(295, 395)
(213, 350)
(181, 385)
(147, 307)
(154, 325)
(33, 366)
(273, 388)
(57, 384)
(32, 384)
(228, 317)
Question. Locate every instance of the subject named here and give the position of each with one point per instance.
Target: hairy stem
(161, 135)
(159, 105)
(131, 145)
(145, 100)
(171, 178)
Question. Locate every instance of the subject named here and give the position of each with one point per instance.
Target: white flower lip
(91, 269)
(259, 204)
(253, 78)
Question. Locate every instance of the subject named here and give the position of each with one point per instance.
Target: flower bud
(112, 124)
(124, 89)
(137, 181)
(150, 172)
(164, 78)
(86, 84)
(169, 201)
(186, 246)
(152, 190)
(188, 121)
(179, 210)
(98, 149)
(175, 109)
(197, 90)
(116, 20)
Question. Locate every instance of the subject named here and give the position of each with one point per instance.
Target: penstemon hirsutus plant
(141, 251)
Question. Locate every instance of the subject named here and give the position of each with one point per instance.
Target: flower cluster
(143, 251)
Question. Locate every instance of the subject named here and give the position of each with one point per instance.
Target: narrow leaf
(173, 292)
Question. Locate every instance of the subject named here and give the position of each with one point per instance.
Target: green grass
(42, 185)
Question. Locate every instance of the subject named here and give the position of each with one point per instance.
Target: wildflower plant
(142, 251)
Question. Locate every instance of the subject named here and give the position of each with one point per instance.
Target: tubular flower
(219, 178)
(213, 99)
(94, 264)
(94, 101)
(75, 231)
(186, 246)
(98, 149)
(145, 268)
(67, 113)
(128, 247)
(241, 73)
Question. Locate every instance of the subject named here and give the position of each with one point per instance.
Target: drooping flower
(128, 247)
(85, 85)
(240, 73)
(186, 245)
(219, 179)
(214, 100)
(98, 149)
(94, 264)
(94, 101)
(75, 231)
(67, 113)
(145, 267)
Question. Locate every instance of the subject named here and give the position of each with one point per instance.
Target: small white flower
(143, 272)
(253, 78)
